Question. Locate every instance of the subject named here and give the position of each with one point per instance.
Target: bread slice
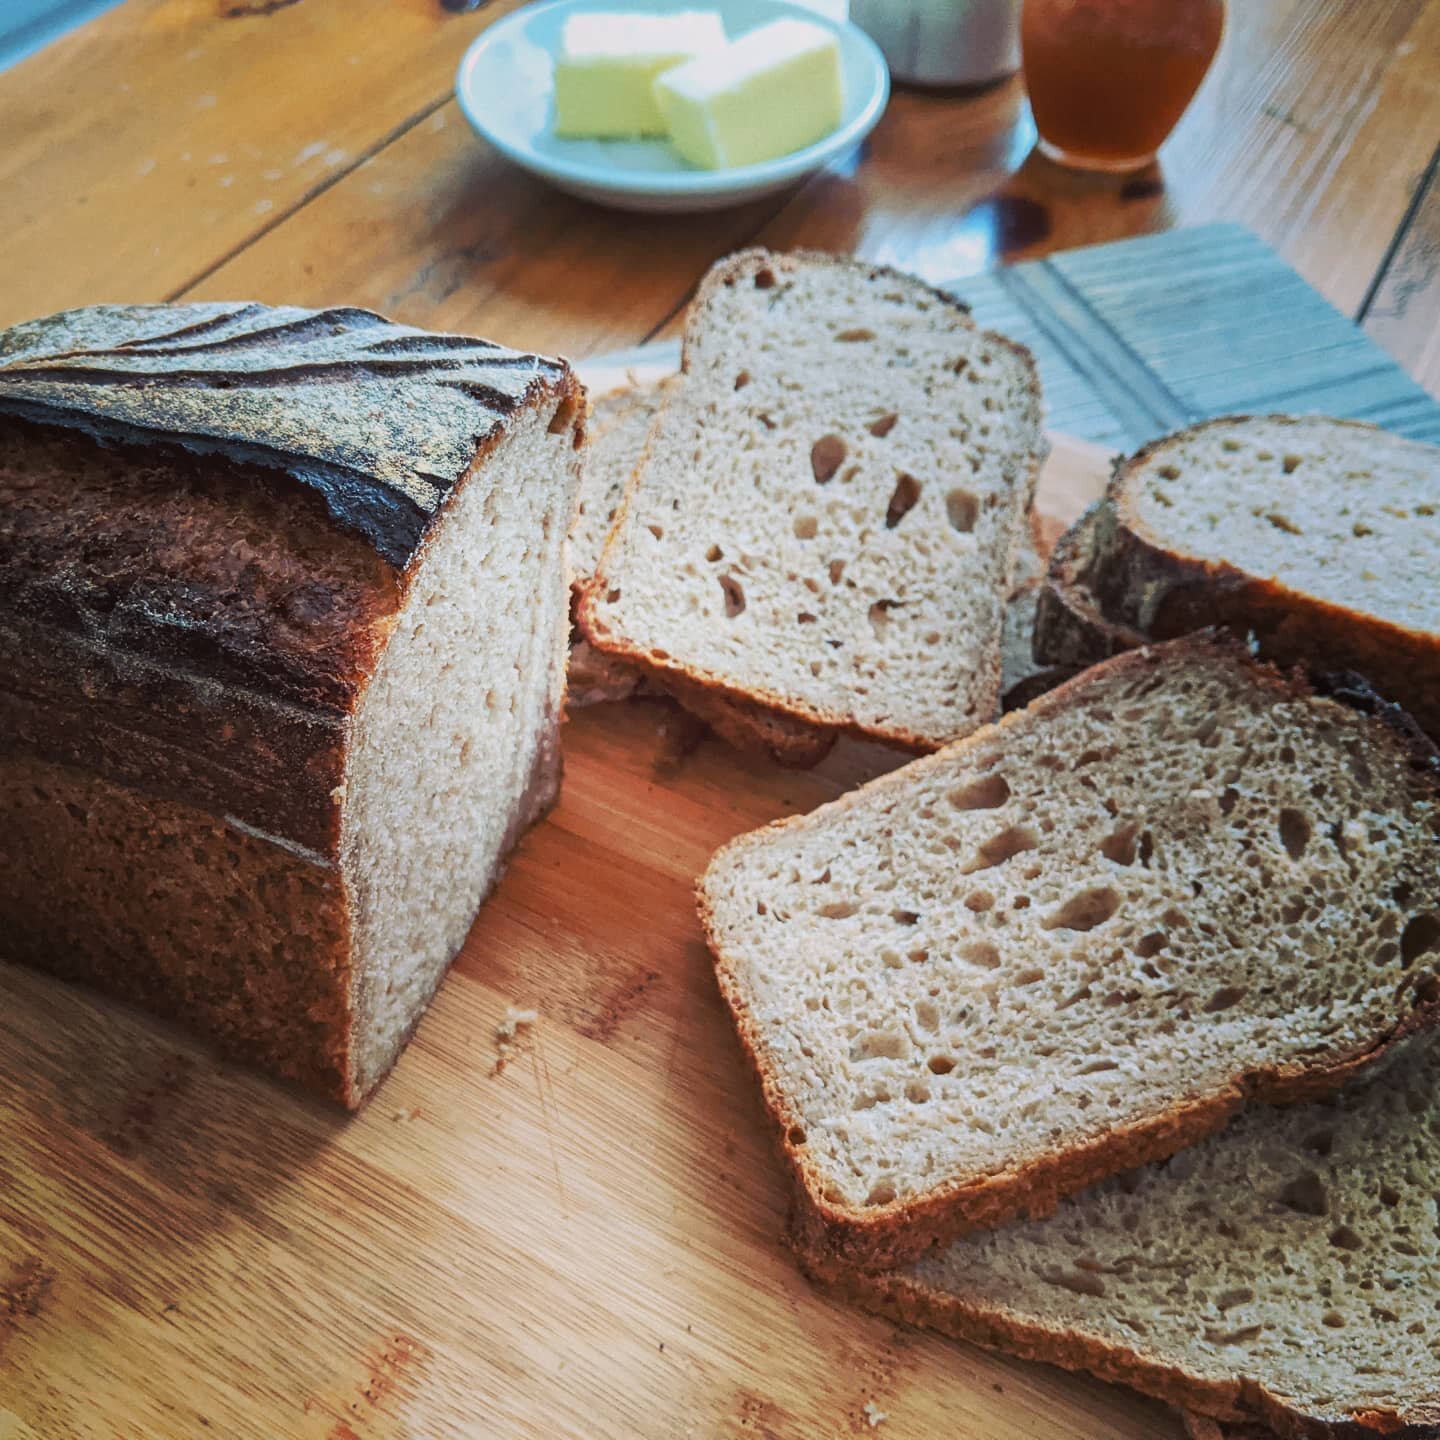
(619, 421)
(1320, 536)
(620, 424)
(826, 517)
(1078, 940)
(1277, 1279)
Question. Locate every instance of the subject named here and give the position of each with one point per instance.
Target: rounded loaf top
(383, 420)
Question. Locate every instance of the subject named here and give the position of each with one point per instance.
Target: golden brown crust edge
(881, 1237)
(1107, 566)
(747, 711)
(1239, 1402)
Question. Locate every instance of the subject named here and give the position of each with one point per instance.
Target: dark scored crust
(381, 420)
(1112, 584)
(205, 517)
(884, 1236)
(749, 710)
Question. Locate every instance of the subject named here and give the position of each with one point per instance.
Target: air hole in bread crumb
(796, 1135)
(1294, 832)
(1229, 1299)
(1306, 1195)
(962, 509)
(742, 379)
(941, 1064)
(611, 596)
(926, 1015)
(1342, 1237)
(657, 531)
(838, 910)
(1225, 998)
(981, 953)
(979, 901)
(987, 793)
(1334, 1319)
(903, 499)
(1229, 797)
(1031, 976)
(1098, 1067)
(1283, 522)
(1419, 936)
(806, 527)
(806, 618)
(1119, 845)
(1148, 946)
(880, 616)
(1168, 472)
(1086, 910)
(849, 337)
(881, 1194)
(904, 917)
(734, 596)
(827, 454)
(1291, 464)
(883, 426)
(1014, 840)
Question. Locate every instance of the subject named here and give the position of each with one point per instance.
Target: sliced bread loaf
(1280, 1278)
(1320, 536)
(1077, 941)
(826, 518)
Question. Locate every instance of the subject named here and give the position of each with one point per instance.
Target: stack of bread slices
(1097, 1035)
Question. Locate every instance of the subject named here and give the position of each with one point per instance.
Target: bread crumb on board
(507, 1032)
(875, 1417)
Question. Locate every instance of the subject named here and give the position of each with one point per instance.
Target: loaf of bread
(825, 520)
(1078, 940)
(1278, 1279)
(1321, 537)
(283, 622)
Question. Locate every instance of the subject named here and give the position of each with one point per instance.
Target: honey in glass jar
(1110, 79)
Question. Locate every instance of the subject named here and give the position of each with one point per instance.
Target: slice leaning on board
(825, 521)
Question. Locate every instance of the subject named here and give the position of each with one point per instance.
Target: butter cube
(608, 62)
(772, 91)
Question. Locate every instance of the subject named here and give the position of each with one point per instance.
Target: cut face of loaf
(1077, 941)
(282, 649)
(1320, 536)
(1280, 1277)
(826, 517)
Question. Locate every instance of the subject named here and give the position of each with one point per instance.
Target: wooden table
(583, 1242)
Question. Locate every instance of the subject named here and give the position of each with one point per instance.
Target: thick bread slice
(1078, 940)
(1279, 1278)
(619, 426)
(826, 517)
(1320, 536)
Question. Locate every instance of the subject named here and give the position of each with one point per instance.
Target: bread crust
(884, 1236)
(1113, 584)
(1242, 1402)
(747, 708)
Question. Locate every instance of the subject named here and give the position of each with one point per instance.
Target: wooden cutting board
(581, 1241)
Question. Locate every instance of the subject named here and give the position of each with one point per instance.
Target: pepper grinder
(944, 42)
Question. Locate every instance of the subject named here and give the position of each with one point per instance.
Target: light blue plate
(506, 89)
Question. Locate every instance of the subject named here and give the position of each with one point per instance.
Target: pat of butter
(605, 74)
(772, 91)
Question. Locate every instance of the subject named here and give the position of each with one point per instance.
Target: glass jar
(1110, 79)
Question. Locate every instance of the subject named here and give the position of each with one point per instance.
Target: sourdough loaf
(1078, 940)
(1319, 536)
(1279, 1278)
(825, 520)
(282, 644)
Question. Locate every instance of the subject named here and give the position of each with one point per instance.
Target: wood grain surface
(582, 1241)
(575, 1236)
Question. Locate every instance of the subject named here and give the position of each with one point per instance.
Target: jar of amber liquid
(1110, 79)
